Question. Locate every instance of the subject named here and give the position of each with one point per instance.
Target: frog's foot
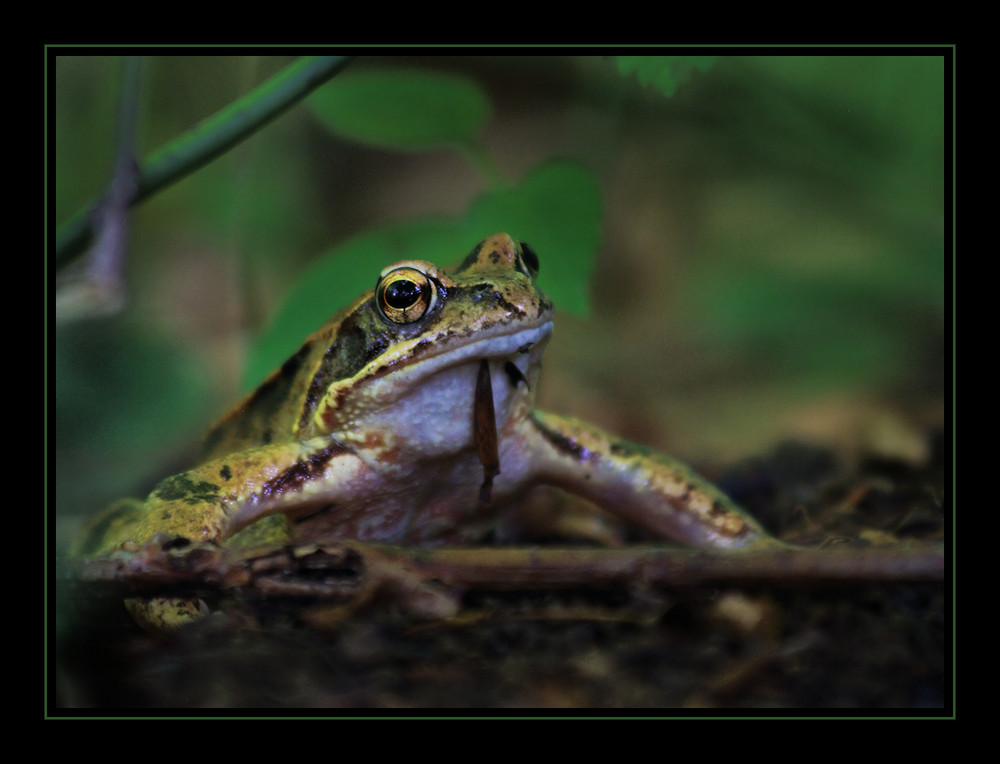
(166, 614)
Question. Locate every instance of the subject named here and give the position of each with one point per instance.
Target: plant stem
(209, 139)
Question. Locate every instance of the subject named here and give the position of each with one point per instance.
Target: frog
(409, 418)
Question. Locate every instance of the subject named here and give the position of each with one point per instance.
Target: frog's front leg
(216, 500)
(639, 484)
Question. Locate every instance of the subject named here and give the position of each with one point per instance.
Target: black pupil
(401, 294)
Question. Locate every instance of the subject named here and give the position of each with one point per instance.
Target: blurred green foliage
(832, 271)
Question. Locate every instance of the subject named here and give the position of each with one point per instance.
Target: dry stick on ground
(354, 571)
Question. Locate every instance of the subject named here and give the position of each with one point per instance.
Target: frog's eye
(528, 259)
(404, 295)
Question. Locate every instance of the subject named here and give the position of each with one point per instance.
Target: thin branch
(209, 139)
(658, 565)
(100, 286)
(346, 571)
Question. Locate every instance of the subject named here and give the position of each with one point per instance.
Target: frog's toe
(166, 614)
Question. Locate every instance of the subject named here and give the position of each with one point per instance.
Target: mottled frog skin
(409, 418)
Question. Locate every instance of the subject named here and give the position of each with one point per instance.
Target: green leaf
(407, 110)
(667, 73)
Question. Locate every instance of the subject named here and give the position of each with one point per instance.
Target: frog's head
(406, 358)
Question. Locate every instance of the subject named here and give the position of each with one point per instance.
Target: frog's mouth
(405, 374)
(490, 343)
(430, 355)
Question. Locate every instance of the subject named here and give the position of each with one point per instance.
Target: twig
(657, 565)
(99, 289)
(338, 571)
(209, 139)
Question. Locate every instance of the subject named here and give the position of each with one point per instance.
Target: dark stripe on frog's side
(317, 388)
(564, 444)
(359, 340)
(303, 471)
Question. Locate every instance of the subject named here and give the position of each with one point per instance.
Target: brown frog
(409, 418)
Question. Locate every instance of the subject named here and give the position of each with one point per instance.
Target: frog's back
(273, 412)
